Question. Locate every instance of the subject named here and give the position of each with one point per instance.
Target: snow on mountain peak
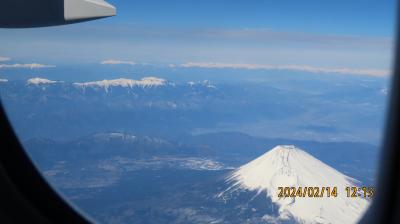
(115, 135)
(205, 83)
(38, 81)
(289, 166)
(152, 81)
(122, 82)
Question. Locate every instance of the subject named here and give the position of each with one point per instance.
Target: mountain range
(153, 150)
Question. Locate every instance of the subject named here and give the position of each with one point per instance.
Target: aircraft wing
(39, 13)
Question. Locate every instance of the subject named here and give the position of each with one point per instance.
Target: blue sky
(317, 34)
(373, 18)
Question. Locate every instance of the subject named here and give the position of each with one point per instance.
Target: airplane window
(207, 111)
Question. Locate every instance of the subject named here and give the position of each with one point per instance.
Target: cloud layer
(30, 66)
(117, 62)
(4, 58)
(302, 68)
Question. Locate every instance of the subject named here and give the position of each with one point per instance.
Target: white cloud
(3, 80)
(38, 81)
(4, 58)
(30, 66)
(303, 68)
(117, 62)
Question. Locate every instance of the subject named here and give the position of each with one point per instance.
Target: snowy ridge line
(122, 82)
(106, 84)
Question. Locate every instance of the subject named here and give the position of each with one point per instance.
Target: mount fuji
(289, 166)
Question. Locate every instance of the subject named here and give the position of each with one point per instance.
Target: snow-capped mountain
(288, 166)
(144, 82)
(126, 83)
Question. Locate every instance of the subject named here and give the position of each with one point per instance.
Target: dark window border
(26, 197)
